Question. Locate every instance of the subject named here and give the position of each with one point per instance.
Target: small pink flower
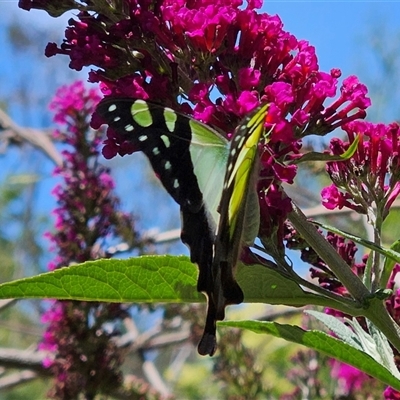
(332, 198)
(391, 394)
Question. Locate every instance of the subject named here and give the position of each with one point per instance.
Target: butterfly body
(213, 181)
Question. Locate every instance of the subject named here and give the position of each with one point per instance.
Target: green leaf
(384, 350)
(322, 342)
(374, 344)
(168, 279)
(341, 330)
(140, 279)
(264, 285)
(315, 156)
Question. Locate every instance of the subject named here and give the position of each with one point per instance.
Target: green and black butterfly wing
(212, 180)
(190, 160)
(239, 221)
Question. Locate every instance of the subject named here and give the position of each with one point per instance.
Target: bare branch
(317, 211)
(165, 237)
(23, 359)
(154, 378)
(36, 137)
(286, 312)
(167, 339)
(152, 338)
(15, 379)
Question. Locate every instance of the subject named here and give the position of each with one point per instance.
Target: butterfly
(214, 182)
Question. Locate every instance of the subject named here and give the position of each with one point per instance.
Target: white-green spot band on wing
(170, 118)
(166, 140)
(141, 113)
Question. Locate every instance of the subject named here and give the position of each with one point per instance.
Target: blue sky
(337, 29)
(341, 32)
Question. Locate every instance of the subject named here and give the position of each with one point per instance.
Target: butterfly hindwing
(236, 229)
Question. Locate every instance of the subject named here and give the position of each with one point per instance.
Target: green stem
(327, 253)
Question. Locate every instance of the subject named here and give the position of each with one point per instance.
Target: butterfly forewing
(188, 156)
(144, 125)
